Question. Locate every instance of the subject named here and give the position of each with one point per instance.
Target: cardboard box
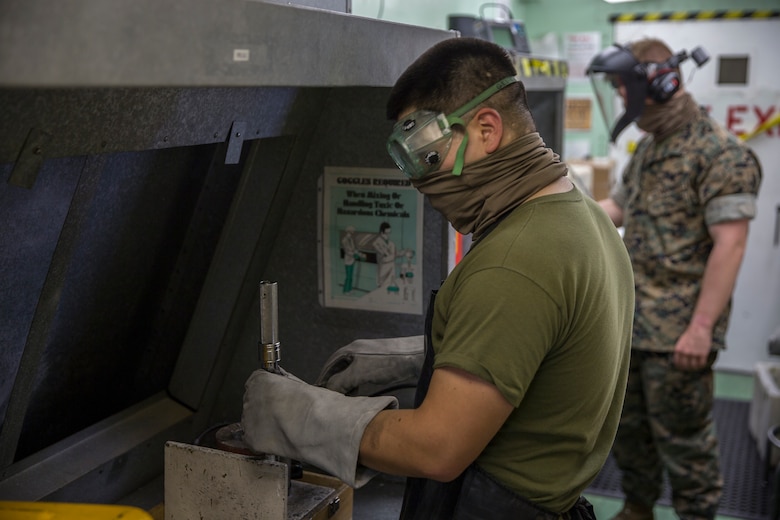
(596, 174)
(338, 505)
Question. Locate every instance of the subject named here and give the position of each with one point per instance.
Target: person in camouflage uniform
(685, 201)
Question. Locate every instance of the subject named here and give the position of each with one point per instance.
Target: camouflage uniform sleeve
(618, 194)
(729, 188)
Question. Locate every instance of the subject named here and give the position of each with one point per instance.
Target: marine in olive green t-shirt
(544, 311)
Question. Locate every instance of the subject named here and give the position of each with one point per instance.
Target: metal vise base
(207, 483)
(214, 484)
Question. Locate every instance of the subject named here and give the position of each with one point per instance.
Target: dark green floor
(727, 386)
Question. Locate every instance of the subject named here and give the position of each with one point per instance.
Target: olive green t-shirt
(542, 308)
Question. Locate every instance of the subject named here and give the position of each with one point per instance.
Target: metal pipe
(269, 352)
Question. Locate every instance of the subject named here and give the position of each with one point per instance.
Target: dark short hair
(454, 71)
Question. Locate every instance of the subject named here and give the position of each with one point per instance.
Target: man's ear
(491, 128)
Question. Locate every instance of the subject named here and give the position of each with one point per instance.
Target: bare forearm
(614, 211)
(720, 276)
(392, 444)
(438, 440)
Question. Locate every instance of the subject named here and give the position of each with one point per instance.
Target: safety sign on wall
(371, 240)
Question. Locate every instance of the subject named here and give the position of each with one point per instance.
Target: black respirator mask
(616, 66)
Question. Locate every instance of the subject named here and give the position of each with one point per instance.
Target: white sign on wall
(371, 240)
(579, 49)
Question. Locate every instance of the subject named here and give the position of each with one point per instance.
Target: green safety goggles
(420, 142)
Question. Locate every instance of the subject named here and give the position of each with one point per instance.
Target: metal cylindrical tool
(270, 355)
(269, 327)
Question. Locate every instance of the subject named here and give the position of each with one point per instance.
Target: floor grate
(745, 492)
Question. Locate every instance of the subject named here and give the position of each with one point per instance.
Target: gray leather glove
(373, 361)
(285, 416)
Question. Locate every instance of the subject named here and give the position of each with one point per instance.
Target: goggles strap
(457, 168)
(456, 119)
(483, 96)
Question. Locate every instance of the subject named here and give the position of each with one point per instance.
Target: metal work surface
(159, 160)
(91, 121)
(109, 457)
(97, 43)
(151, 154)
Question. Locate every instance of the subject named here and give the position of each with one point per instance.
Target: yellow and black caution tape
(760, 129)
(532, 67)
(737, 14)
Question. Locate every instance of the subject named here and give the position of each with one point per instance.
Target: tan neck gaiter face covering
(664, 119)
(492, 187)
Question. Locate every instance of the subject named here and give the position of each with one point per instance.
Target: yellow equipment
(63, 511)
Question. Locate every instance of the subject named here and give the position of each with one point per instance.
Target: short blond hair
(650, 50)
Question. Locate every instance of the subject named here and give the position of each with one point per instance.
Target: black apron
(474, 495)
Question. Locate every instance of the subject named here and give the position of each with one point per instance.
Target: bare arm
(438, 440)
(614, 211)
(720, 276)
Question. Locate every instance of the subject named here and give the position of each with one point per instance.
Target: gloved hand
(375, 361)
(286, 417)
